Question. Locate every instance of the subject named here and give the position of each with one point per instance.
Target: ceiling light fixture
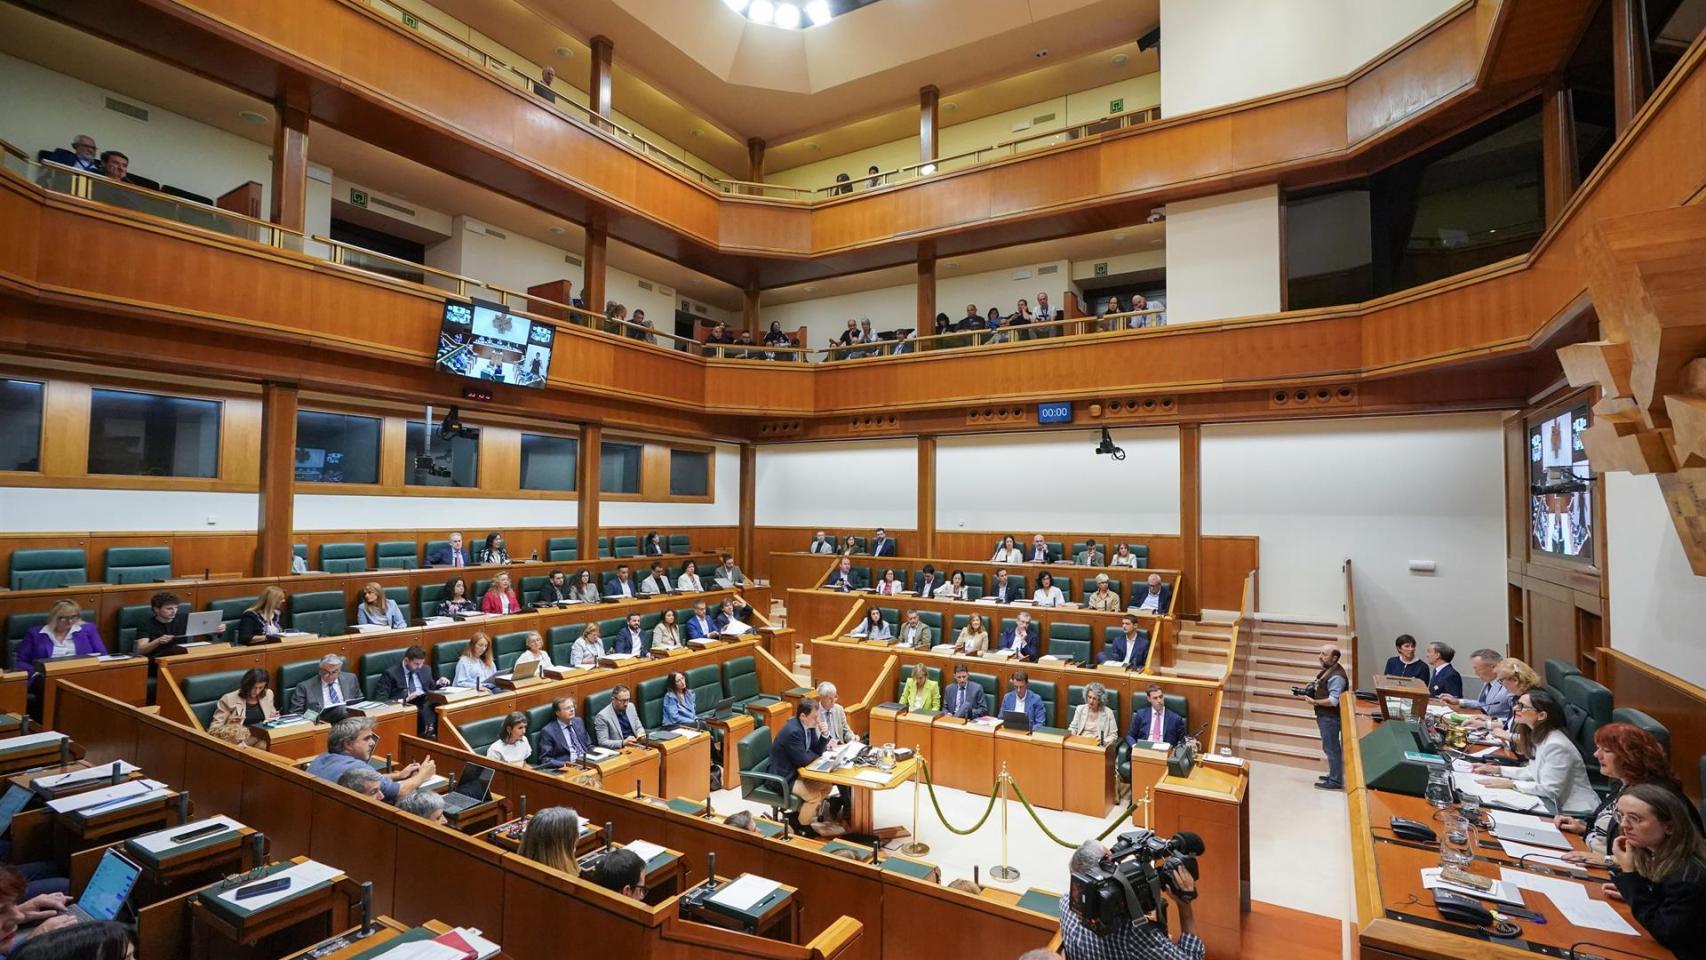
(787, 16)
(818, 11)
(1120, 59)
(927, 169)
(252, 116)
(736, 5)
(761, 11)
(950, 107)
(554, 231)
(565, 52)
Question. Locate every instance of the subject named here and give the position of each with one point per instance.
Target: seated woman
(1092, 718)
(1047, 594)
(511, 746)
(263, 619)
(689, 581)
(19, 907)
(475, 667)
(653, 545)
(1516, 677)
(551, 838)
(873, 627)
(1406, 663)
(455, 598)
(250, 704)
(667, 634)
(535, 642)
(585, 588)
(500, 597)
(1659, 868)
(63, 635)
(1554, 769)
(377, 609)
(973, 639)
(679, 707)
(588, 648)
(1008, 552)
(921, 692)
(1628, 756)
(954, 589)
(493, 551)
(850, 546)
(889, 586)
(1123, 557)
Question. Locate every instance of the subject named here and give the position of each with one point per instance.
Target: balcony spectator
(972, 320)
(843, 185)
(774, 337)
(719, 340)
(616, 314)
(638, 322)
(1138, 303)
(848, 337)
(83, 155)
(1022, 316)
(542, 87)
(747, 344)
(875, 180)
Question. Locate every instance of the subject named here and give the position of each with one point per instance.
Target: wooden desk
(863, 819)
(1087, 776)
(686, 765)
(631, 764)
(304, 918)
(124, 679)
(293, 740)
(390, 721)
(1036, 762)
(13, 691)
(962, 755)
(778, 918)
(1214, 802)
(665, 874)
(76, 831)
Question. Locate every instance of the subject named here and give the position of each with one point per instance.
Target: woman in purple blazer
(64, 635)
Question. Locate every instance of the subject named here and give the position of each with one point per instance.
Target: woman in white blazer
(1554, 769)
(688, 582)
(1008, 552)
(1047, 594)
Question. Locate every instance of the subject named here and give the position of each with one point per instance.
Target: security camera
(1157, 215)
(1107, 446)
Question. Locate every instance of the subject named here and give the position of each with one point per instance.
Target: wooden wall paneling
(654, 471)
(99, 544)
(425, 857)
(915, 912)
(274, 526)
(1413, 78)
(1225, 563)
(290, 167)
(1551, 622)
(749, 512)
(1189, 601)
(289, 826)
(925, 540)
(65, 428)
(500, 460)
(1667, 698)
(358, 835)
(227, 554)
(587, 474)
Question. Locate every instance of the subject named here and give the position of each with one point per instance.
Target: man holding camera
(1138, 938)
(1323, 694)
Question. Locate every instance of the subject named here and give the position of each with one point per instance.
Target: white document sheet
(30, 740)
(872, 776)
(647, 852)
(89, 775)
(745, 893)
(161, 840)
(128, 790)
(1572, 900)
(1540, 855)
(422, 950)
(302, 876)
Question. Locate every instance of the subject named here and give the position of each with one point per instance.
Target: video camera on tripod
(1127, 884)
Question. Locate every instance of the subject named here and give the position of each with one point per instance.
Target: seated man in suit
(800, 745)
(1022, 699)
(729, 570)
(1039, 552)
(963, 698)
(1154, 723)
(1130, 647)
(914, 632)
(657, 582)
(563, 741)
(555, 590)
(844, 577)
(1006, 589)
(408, 681)
(881, 545)
(1156, 598)
(1445, 680)
(618, 725)
(331, 687)
(700, 625)
(630, 639)
(821, 543)
(83, 155)
(1091, 556)
(927, 581)
(621, 585)
(449, 555)
(349, 745)
(1024, 639)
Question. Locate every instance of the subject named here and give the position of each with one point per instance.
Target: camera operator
(1323, 694)
(1138, 939)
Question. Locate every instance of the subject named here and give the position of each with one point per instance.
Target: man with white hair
(822, 544)
(330, 687)
(425, 804)
(1138, 938)
(832, 716)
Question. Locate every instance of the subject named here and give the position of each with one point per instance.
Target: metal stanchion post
(1005, 872)
(917, 848)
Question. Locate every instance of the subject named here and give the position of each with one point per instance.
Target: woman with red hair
(1627, 756)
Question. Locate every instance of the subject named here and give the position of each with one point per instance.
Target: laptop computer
(725, 708)
(472, 788)
(12, 804)
(108, 889)
(1016, 720)
(201, 623)
(525, 669)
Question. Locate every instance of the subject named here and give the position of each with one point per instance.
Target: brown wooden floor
(1280, 933)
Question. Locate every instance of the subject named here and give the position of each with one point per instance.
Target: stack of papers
(1572, 900)
(647, 852)
(745, 893)
(31, 740)
(1502, 891)
(873, 776)
(90, 775)
(1468, 783)
(1524, 828)
(109, 798)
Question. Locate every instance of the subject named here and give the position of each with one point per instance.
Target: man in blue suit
(962, 698)
(881, 545)
(1006, 589)
(700, 625)
(630, 639)
(1023, 699)
(1023, 638)
(844, 577)
(1155, 596)
(564, 739)
(927, 581)
(449, 555)
(1155, 723)
(1446, 679)
(621, 585)
(1129, 647)
(800, 744)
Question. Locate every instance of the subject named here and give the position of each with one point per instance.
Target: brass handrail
(593, 319)
(340, 250)
(83, 184)
(984, 337)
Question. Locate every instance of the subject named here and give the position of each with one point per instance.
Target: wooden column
(926, 545)
(926, 289)
(1187, 603)
(273, 533)
(1558, 152)
(1631, 60)
(749, 310)
(592, 265)
(928, 117)
(290, 168)
(587, 473)
(598, 83)
(749, 508)
(755, 160)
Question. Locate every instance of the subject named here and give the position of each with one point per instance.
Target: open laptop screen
(109, 888)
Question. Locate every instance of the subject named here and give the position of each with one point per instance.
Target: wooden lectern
(1214, 803)
(1401, 698)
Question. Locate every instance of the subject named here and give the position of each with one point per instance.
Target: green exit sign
(410, 21)
(1116, 106)
(1102, 269)
(358, 197)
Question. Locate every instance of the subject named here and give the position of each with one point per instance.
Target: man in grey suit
(1092, 556)
(329, 688)
(914, 632)
(656, 583)
(730, 571)
(618, 725)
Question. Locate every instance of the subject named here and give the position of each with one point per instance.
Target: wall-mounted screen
(1561, 486)
(483, 341)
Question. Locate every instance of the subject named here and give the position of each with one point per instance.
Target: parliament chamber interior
(852, 479)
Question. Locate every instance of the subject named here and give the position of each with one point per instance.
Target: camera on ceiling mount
(1107, 446)
(452, 427)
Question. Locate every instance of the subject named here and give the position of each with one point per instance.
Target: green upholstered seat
(609, 628)
(973, 593)
(648, 699)
(1556, 670)
(933, 620)
(680, 543)
(990, 687)
(1141, 552)
(399, 596)
(561, 642)
(1115, 587)
(740, 681)
(50, 567)
(976, 580)
(300, 551)
(595, 704)
(558, 549)
(204, 690)
(1595, 701)
(131, 620)
(758, 783)
(960, 622)
(625, 546)
(604, 547)
(396, 555)
(507, 647)
(427, 599)
(481, 734)
(444, 657)
(648, 622)
(375, 664)
(530, 587)
(433, 546)
(892, 616)
(138, 564)
(319, 612)
(1046, 690)
(706, 682)
(934, 673)
(19, 624)
(1055, 547)
(343, 557)
(1645, 721)
(1069, 640)
(231, 610)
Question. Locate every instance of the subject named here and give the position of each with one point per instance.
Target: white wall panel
(53, 509)
(863, 483)
(1657, 603)
(1055, 481)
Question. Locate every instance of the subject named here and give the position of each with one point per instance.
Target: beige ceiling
(778, 85)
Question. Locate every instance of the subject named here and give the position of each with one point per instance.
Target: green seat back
(396, 555)
(131, 620)
(863, 546)
(530, 587)
(481, 734)
(375, 664)
(1141, 552)
(1595, 701)
(892, 616)
(321, 612)
(433, 546)
(987, 681)
(558, 549)
(976, 580)
(740, 678)
(291, 674)
(1054, 547)
(427, 599)
(1077, 548)
(604, 547)
(399, 596)
(477, 590)
(595, 704)
(561, 642)
(1557, 670)
(960, 621)
(204, 690)
(609, 628)
(648, 699)
(707, 685)
(445, 655)
(626, 546)
(754, 748)
(47, 568)
(343, 557)
(680, 543)
(1642, 719)
(231, 610)
(1045, 690)
(934, 673)
(138, 564)
(507, 648)
(932, 619)
(1115, 587)
(1179, 705)
(1110, 699)
(300, 550)
(649, 621)
(973, 593)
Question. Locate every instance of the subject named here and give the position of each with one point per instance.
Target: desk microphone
(609, 834)
(257, 850)
(521, 808)
(64, 752)
(711, 869)
(183, 800)
(115, 773)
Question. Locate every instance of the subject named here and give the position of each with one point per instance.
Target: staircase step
(1199, 649)
(1281, 646)
(1202, 671)
(1280, 753)
(1319, 635)
(1281, 730)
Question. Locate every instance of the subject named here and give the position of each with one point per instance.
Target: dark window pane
(1328, 256)
(548, 463)
(689, 473)
(20, 425)
(145, 435)
(336, 448)
(444, 463)
(619, 468)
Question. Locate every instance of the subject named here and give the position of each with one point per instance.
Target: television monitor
(1561, 486)
(483, 341)
(314, 465)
